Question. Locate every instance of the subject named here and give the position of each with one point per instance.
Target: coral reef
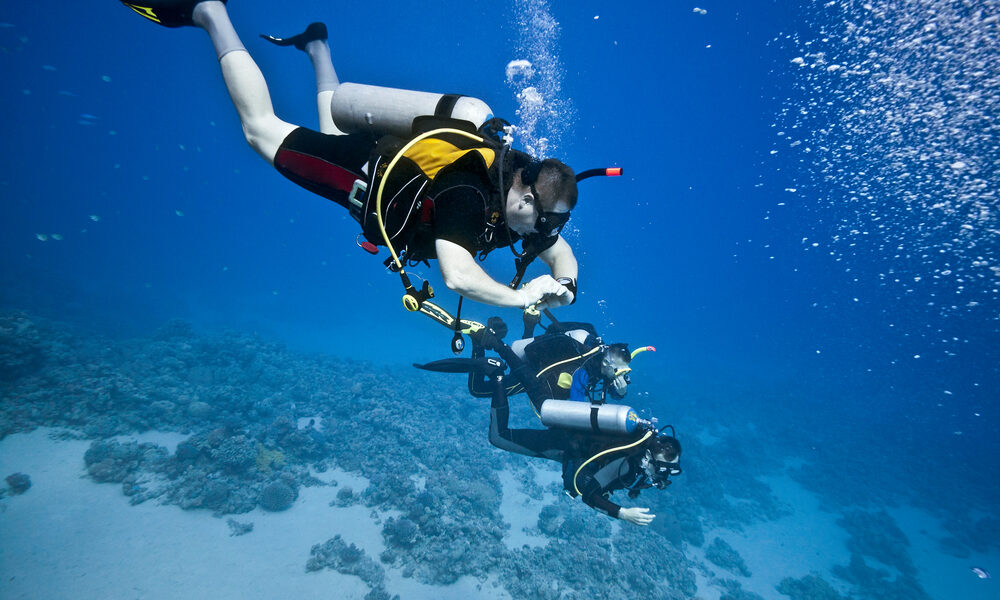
(810, 587)
(721, 554)
(236, 453)
(875, 584)
(400, 533)
(22, 351)
(876, 534)
(18, 483)
(967, 535)
(277, 496)
(733, 590)
(419, 440)
(238, 528)
(345, 497)
(346, 558)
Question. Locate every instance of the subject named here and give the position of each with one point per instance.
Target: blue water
(843, 296)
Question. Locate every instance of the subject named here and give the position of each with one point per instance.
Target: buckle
(355, 200)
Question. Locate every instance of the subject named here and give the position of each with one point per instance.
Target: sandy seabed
(69, 537)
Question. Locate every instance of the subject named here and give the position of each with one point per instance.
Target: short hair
(556, 182)
(668, 445)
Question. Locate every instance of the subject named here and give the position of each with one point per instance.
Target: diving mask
(547, 223)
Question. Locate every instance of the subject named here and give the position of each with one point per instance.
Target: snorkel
(635, 353)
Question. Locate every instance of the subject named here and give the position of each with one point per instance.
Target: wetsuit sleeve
(595, 486)
(593, 495)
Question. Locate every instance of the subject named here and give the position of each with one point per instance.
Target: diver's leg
(529, 442)
(247, 88)
(326, 83)
(313, 41)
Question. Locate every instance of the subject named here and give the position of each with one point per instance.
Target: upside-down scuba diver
(569, 361)
(602, 448)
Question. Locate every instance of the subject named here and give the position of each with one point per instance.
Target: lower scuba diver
(599, 453)
(430, 180)
(602, 447)
(569, 361)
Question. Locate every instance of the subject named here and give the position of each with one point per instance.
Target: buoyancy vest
(406, 171)
(556, 355)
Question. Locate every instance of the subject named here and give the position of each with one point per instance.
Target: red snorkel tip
(605, 172)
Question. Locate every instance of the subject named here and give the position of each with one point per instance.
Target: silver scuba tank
(599, 418)
(358, 108)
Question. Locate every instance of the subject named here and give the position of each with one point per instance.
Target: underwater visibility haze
(207, 386)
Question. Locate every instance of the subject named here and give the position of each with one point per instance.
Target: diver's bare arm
(463, 275)
(560, 259)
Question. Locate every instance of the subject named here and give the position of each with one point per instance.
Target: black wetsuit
(460, 206)
(614, 471)
(583, 360)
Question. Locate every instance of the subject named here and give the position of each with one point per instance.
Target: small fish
(41, 237)
(981, 573)
(95, 218)
(57, 237)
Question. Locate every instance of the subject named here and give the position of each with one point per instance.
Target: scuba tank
(615, 419)
(358, 108)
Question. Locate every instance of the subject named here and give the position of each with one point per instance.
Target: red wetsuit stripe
(316, 170)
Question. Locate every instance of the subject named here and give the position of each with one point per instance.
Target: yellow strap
(385, 177)
(445, 318)
(585, 355)
(608, 451)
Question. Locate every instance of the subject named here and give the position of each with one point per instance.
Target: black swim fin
(169, 13)
(491, 367)
(315, 31)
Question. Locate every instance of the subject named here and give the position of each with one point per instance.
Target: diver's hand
(545, 286)
(636, 516)
(619, 385)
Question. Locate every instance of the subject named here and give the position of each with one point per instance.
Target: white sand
(69, 537)
(810, 541)
(943, 576)
(521, 512)
(807, 541)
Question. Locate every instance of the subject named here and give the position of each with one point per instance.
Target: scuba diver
(602, 448)
(426, 175)
(568, 361)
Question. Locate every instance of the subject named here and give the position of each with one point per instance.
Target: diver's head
(615, 358)
(662, 459)
(541, 197)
